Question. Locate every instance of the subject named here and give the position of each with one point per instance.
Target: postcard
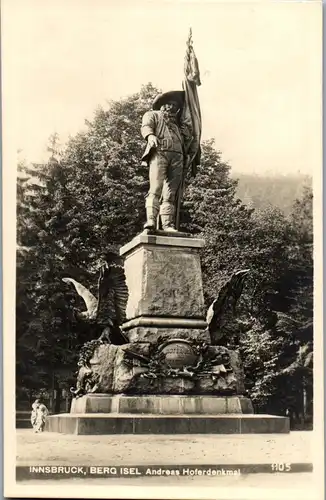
(162, 229)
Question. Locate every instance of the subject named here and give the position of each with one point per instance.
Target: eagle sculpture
(221, 312)
(108, 310)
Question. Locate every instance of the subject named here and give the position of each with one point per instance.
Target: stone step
(161, 404)
(117, 423)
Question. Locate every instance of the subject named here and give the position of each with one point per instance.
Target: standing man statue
(172, 130)
(165, 155)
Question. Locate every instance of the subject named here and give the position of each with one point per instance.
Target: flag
(190, 120)
(191, 114)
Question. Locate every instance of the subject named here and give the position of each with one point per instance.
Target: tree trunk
(304, 402)
(57, 401)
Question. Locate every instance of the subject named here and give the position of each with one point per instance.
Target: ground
(59, 449)
(65, 449)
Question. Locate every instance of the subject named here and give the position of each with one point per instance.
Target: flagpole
(179, 195)
(182, 182)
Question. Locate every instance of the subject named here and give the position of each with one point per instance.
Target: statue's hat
(174, 95)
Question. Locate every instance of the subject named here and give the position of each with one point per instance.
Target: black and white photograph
(162, 191)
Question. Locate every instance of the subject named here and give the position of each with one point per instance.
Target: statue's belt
(161, 150)
(168, 144)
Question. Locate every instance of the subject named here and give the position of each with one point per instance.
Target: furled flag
(190, 120)
(191, 115)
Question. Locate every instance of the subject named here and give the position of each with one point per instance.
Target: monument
(158, 365)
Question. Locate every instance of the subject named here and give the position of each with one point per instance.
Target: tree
(278, 353)
(302, 302)
(70, 210)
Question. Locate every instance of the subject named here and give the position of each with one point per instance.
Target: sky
(260, 66)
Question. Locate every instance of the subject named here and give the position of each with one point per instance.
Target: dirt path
(62, 449)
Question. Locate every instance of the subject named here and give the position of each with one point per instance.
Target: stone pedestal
(168, 379)
(164, 281)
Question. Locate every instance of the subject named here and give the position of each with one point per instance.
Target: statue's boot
(168, 223)
(151, 216)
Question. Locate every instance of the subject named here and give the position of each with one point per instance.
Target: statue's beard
(170, 115)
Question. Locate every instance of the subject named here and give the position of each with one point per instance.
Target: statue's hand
(152, 141)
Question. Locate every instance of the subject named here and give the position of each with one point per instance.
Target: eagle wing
(222, 309)
(89, 299)
(112, 294)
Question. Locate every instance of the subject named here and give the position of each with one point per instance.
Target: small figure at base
(38, 416)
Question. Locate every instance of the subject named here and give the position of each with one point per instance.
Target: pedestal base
(161, 405)
(121, 414)
(109, 423)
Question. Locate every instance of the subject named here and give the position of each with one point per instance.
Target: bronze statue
(172, 130)
(164, 154)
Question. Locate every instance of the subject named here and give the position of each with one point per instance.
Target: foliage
(278, 356)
